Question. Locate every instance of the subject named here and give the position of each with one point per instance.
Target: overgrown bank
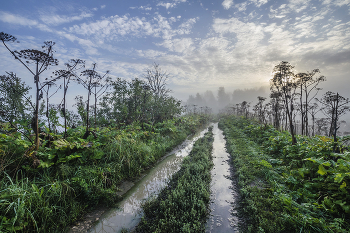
(288, 188)
(183, 205)
(48, 190)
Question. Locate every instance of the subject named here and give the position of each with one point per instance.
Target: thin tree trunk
(301, 109)
(64, 107)
(95, 111)
(36, 113)
(335, 148)
(87, 113)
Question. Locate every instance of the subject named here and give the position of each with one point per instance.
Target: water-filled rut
(224, 197)
(128, 213)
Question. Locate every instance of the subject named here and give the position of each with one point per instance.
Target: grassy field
(285, 187)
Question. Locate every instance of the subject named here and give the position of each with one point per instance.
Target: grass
(77, 175)
(183, 205)
(283, 187)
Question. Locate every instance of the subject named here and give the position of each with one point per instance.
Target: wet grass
(183, 205)
(283, 187)
(77, 175)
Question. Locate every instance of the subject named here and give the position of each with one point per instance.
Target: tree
(90, 79)
(260, 109)
(307, 84)
(223, 97)
(81, 107)
(69, 73)
(314, 109)
(98, 90)
(334, 106)
(50, 112)
(12, 98)
(275, 108)
(14, 102)
(322, 126)
(283, 83)
(41, 60)
(157, 82)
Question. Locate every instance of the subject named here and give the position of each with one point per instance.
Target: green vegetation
(183, 205)
(288, 188)
(48, 189)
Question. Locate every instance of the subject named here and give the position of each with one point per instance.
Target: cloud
(227, 4)
(243, 5)
(293, 6)
(16, 19)
(183, 45)
(338, 3)
(103, 6)
(119, 27)
(54, 19)
(146, 8)
(168, 5)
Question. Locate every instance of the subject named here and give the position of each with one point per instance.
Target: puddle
(223, 218)
(128, 214)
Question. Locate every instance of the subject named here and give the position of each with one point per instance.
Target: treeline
(294, 104)
(106, 102)
(207, 102)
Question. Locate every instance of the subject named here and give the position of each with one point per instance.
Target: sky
(202, 44)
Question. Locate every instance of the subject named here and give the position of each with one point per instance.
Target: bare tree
(157, 80)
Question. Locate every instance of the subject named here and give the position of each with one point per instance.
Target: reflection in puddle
(129, 212)
(222, 216)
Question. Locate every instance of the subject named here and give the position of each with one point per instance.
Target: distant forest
(292, 102)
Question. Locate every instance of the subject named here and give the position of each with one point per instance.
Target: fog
(223, 98)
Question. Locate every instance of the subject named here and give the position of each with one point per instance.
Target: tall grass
(76, 175)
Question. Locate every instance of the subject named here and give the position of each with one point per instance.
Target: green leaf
(321, 170)
(343, 185)
(68, 158)
(339, 177)
(51, 156)
(265, 164)
(45, 164)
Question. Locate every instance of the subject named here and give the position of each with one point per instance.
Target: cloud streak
(54, 19)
